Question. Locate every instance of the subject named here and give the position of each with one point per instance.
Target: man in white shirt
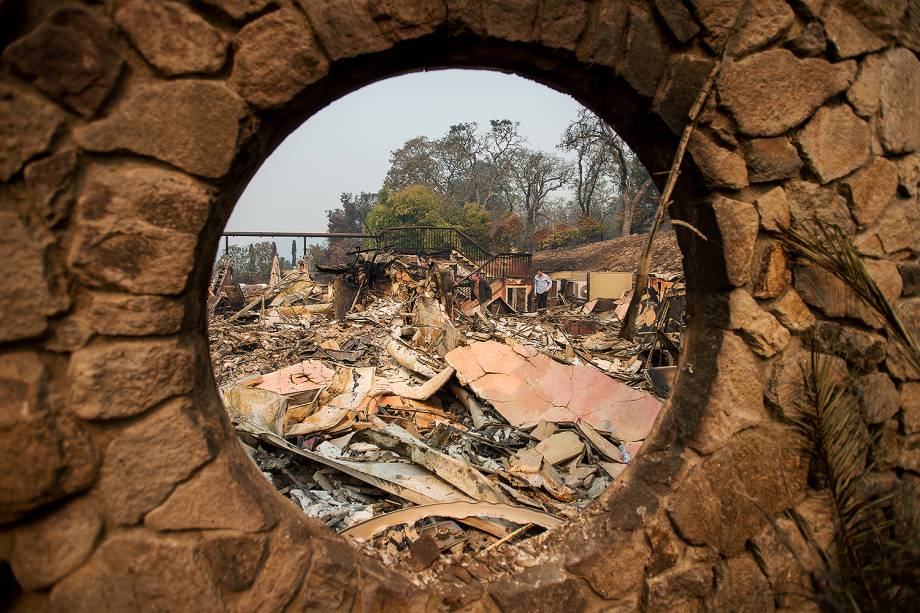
(541, 285)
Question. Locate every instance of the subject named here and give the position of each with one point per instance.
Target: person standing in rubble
(481, 288)
(541, 285)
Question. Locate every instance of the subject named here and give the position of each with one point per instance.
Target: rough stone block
(133, 256)
(678, 18)
(464, 15)
(70, 57)
(27, 298)
(333, 558)
(172, 37)
(50, 547)
(807, 40)
(847, 34)
(27, 125)
(835, 142)
(721, 167)
(908, 174)
(646, 55)
(863, 95)
(788, 558)
(869, 245)
(862, 350)
(511, 20)
(529, 589)
(405, 20)
(122, 378)
(686, 77)
(791, 311)
(281, 575)
(785, 382)
(738, 224)
(717, 18)
(909, 395)
(146, 193)
(766, 21)
(763, 333)
(681, 588)
(562, 22)
(144, 462)
(834, 298)
(345, 28)
(222, 496)
(126, 315)
(132, 569)
(604, 39)
(910, 274)
(667, 548)
(50, 183)
(897, 226)
(809, 201)
(769, 272)
(267, 78)
(899, 129)
(726, 500)
(51, 453)
(772, 91)
(909, 311)
(192, 124)
(774, 209)
(871, 189)
(613, 577)
(235, 559)
(771, 159)
(878, 397)
(885, 19)
(735, 400)
(239, 9)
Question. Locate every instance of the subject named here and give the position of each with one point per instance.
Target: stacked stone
(129, 128)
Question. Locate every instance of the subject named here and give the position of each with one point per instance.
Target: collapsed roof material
(526, 386)
(395, 398)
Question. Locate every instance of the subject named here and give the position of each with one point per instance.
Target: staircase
(435, 240)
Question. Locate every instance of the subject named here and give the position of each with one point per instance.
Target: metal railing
(430, 240)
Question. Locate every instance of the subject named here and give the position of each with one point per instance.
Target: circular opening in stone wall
(129, 130)
(418, 310)
(416, 313)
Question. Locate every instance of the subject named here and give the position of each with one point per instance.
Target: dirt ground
(617, 254)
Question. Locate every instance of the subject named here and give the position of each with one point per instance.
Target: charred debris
(385, 401)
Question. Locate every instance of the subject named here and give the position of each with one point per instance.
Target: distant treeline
(493, 186)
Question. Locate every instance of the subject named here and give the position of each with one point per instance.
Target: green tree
(415, 205)
(472, 219)
(464, 165)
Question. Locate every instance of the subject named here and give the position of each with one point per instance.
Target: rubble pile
(422, 425)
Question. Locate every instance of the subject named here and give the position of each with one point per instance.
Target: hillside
(617, 254)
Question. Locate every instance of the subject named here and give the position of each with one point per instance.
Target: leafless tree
(536, 175)
(586, 138)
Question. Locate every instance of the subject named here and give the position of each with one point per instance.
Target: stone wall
(128, 128)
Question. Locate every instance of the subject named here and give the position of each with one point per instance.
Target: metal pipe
(301, 234)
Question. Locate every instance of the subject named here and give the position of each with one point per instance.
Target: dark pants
(541, 300)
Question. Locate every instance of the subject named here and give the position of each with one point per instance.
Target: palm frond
(872, 568)
(830, 249)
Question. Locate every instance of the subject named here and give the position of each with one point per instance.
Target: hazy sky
(346, 146)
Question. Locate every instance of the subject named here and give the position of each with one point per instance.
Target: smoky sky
(346, 146)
